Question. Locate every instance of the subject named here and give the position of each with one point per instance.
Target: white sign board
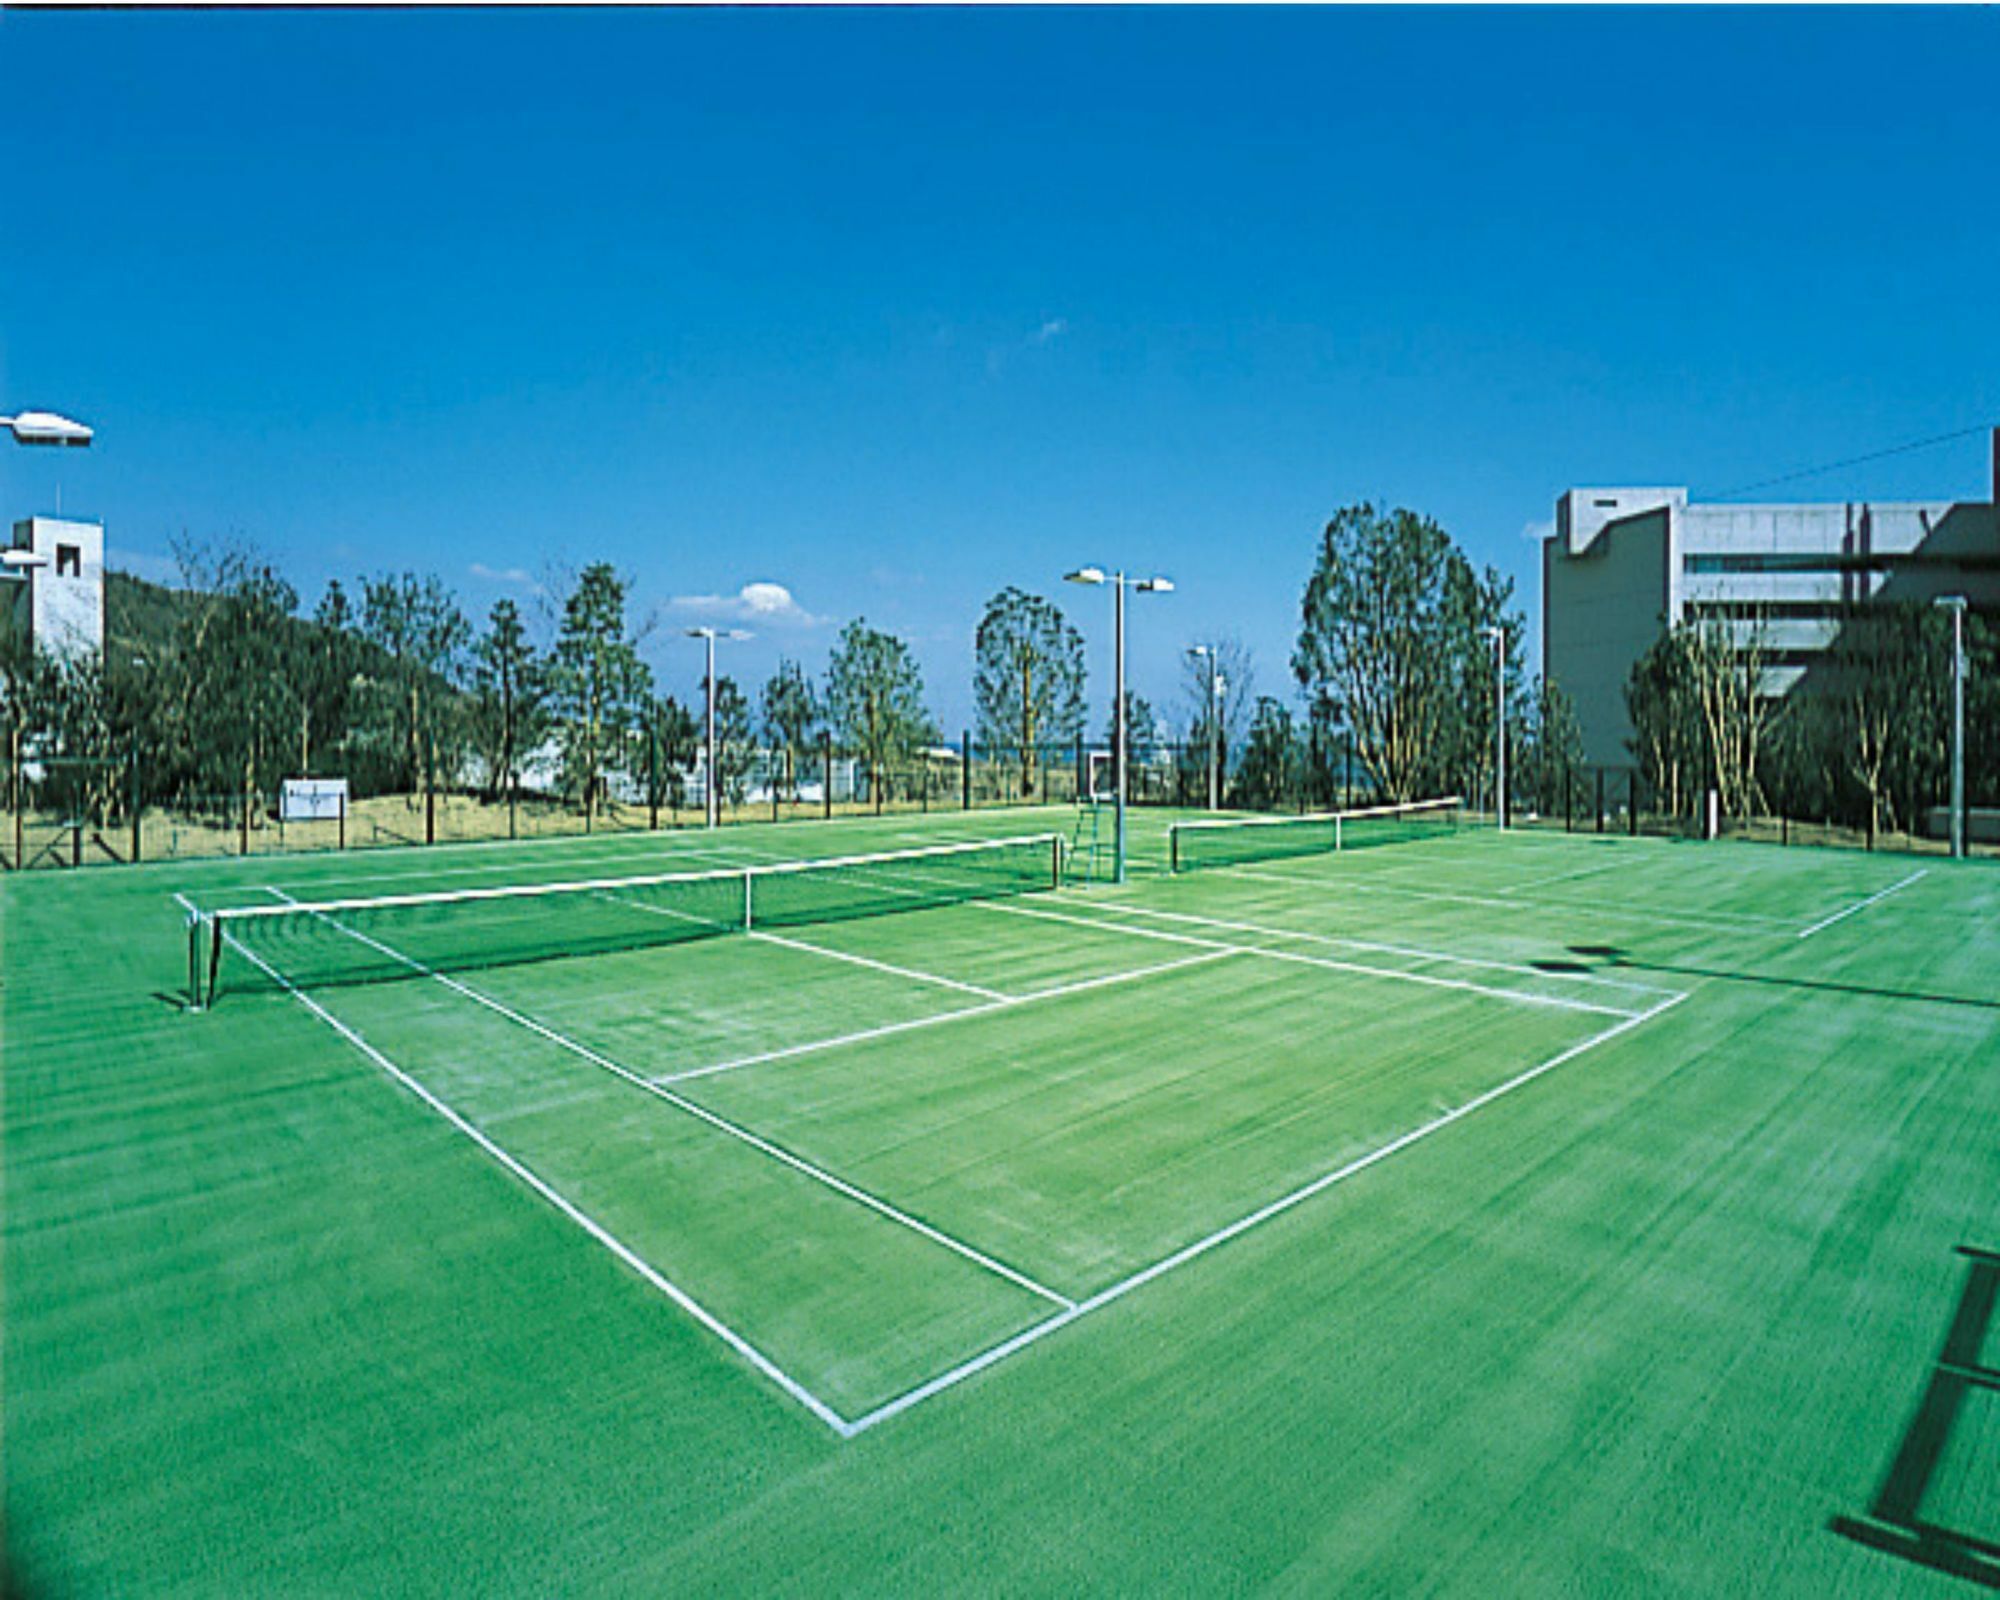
(314, 799)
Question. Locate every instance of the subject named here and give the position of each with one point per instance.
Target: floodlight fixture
(47, 428)
(1085, 575)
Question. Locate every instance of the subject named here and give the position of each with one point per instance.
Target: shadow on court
(1895, 1522)
(1602, 955)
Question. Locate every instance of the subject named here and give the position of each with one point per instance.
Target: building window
(1770, 561)
(69, 561)
(1769, 610)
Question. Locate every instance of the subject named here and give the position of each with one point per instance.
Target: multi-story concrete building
(1625, 564)
(59, 601)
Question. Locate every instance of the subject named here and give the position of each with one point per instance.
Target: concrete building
(60, 603)
(1624, 564)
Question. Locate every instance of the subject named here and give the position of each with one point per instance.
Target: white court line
(881, 966)
(541, 1186)
(1056, 991)
(1731, 923)
(1863, 905)
(1511, 996)
(1264, 1213)
(757, 1142)
(811, 949)
(1385, 949)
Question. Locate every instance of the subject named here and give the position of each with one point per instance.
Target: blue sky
(892, 308)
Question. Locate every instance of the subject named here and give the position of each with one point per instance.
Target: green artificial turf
(1476, 1214)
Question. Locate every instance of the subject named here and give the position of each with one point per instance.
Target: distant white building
(61, 603)
(1624, 564)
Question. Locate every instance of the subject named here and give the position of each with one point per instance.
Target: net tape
(1233, 841)
(377, 938)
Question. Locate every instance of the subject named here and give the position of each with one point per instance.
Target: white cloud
(761, 601)
(517, 577)
(1536, 532)
(1050, 331)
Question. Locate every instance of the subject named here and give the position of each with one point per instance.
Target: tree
(1268, 774)
(1727, 662)
(1236, 669)
(331, 666)
(510, 691)
(875, 698)
(675, 739)
(1890, 711)
(732, 739)
(792, 715)
(1029, 681)
(1661, 701)
(239, 670)
(1390, 644)
(1552, 744)
(597, 684)
(1700, 714)
(416, 623)
(1142, 727)
(1217, 713)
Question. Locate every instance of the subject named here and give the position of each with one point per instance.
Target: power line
(1853, 461)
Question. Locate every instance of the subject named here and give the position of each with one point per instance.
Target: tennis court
(873, 1122)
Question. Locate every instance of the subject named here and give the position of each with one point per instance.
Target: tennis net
(1232, 841)
(304, 944)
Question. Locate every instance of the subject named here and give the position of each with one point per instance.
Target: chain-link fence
(65, 811)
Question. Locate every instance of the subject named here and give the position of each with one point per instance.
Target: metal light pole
(1955, 604)
(1209, 653)
(1119, 584)
(711, 791)
(1499, 638)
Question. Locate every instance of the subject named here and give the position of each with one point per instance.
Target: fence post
(341, 836)
(1632, 802)
(1569, 824)
(652, 775)
(14, 794)
(244, 820)
(826, 785)
(1600, 800)
(965, 769)
(135, 799)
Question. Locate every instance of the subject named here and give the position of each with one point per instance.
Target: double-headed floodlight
(1955, 604)
(1499, 637)
(46, 428)
(711, 792)
(1210, 654)
(1119, 584)
(15, 565)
